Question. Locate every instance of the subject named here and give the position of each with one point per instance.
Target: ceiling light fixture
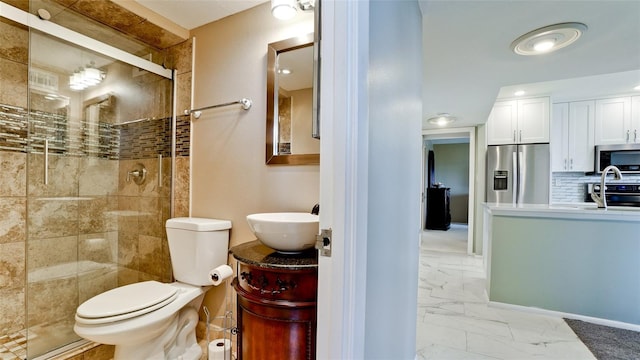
(549, 38)
(519, 93)
(637, 87)
(287, 9)
(441, 119)
(283, 9)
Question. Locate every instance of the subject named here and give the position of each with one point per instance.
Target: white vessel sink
(287, 232)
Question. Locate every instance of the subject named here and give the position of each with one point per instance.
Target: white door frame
(469, 132)
(343, 184)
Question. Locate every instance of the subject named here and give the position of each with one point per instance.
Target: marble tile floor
(455, 321)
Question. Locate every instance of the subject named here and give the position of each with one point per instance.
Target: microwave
(625, 157)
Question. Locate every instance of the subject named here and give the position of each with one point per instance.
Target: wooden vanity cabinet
(276, 297)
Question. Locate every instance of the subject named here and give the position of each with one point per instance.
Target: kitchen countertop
(257, 254)
(580, 211)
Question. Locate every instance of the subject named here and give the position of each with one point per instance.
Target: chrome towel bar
(246, 105)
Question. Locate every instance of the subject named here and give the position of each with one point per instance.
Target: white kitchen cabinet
(572, 136)
(559, 137)
(522, 121)
(635, 120)
(503, 123)
(613, 121)
(533, 120)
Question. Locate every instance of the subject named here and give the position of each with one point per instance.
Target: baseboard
(590, 319)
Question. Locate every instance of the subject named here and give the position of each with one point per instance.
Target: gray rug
(606, 342)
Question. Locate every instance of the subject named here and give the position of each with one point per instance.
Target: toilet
(153, 320)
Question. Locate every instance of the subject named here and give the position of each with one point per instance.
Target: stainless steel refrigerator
(518, 174)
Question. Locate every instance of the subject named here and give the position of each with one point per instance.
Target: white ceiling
(467, 59)
(193, 13)
(300, 63)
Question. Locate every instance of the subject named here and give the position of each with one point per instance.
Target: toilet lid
(126, 302)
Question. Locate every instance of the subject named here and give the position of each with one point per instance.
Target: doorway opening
(448, 190)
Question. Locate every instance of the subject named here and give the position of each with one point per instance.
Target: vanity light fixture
(549, 38)
(86, 77)
(284, 71)
(441, 119)
(287, 9)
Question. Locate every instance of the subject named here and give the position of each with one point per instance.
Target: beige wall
(301, 128)
(229, 177)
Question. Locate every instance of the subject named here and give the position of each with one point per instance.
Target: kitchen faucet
(601, 200)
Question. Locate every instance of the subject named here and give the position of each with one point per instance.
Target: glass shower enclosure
(89, 156)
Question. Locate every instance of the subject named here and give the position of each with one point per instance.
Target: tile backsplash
(569, 187)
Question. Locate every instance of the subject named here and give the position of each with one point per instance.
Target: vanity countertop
(257, 254)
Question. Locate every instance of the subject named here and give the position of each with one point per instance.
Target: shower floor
(14, 346)
(41, 340)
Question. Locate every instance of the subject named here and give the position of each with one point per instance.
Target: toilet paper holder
(227, 326)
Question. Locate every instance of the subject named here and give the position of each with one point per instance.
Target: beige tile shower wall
(230, 178)
(14, 49)
(142, 209)
(74, 217)
(14, 45)
(98, 238)
(181, 185)
(180, 57)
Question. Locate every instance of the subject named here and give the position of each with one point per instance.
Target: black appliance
(617, 194)
(438, 211)
(625, 157)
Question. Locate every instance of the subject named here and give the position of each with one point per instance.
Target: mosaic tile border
(144, 139)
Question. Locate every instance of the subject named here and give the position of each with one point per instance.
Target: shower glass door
(98, 183)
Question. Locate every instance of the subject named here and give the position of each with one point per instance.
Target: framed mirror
(290, 103)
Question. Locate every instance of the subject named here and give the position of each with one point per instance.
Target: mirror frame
(272, 54)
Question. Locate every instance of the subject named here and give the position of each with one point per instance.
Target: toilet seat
(126, 302)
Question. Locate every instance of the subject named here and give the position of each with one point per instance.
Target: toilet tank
(196, 246)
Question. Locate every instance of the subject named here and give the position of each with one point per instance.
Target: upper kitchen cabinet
(635, 119)
(503, 123)
(522, 121)
(572, 136)
(614, 121)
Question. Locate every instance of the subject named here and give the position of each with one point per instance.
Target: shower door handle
(45, 151)
(159, 170)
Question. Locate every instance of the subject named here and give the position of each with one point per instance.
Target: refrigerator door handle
(515, 174)
(520, 177)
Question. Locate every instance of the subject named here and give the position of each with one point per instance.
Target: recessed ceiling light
(441, 119)
(283, 9)
(519, 93)
(547, 39)
(544, 45)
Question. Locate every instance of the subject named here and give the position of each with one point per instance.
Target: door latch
(323, 242)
